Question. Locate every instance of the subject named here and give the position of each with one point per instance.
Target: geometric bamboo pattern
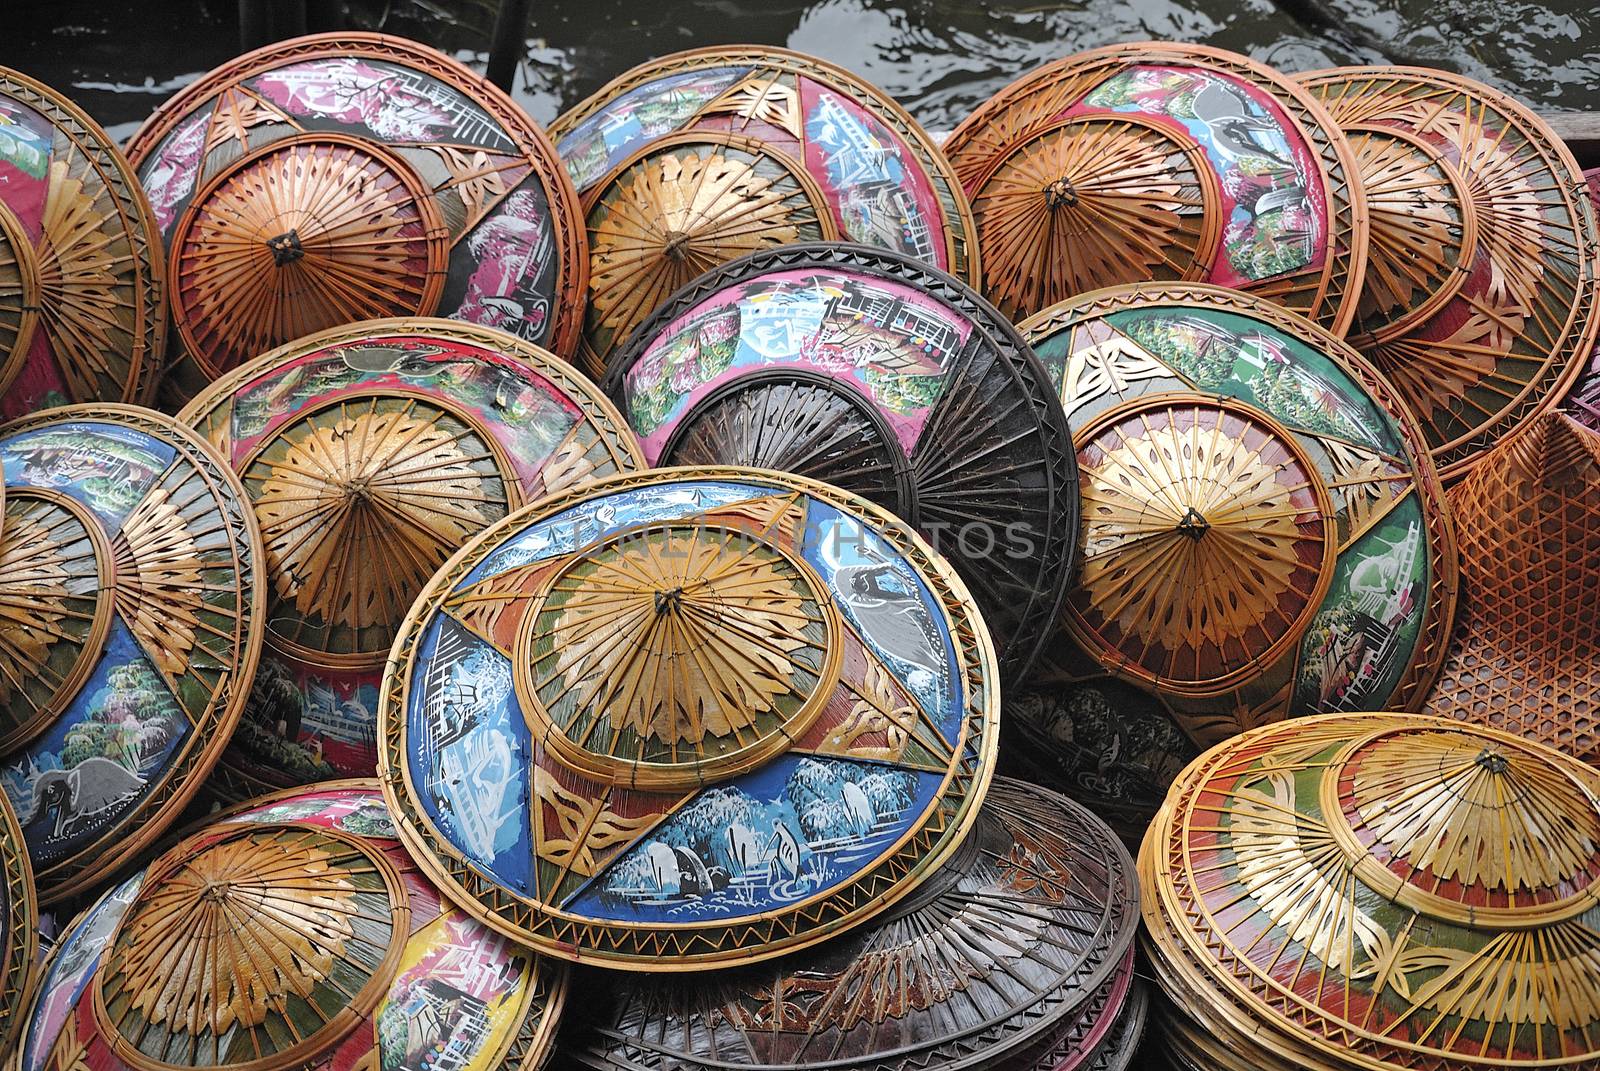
(685, 206)
(1486, 253)
(82, 307)
(1422, 230)
(336, 178)
(1526, 645)
(352, 533)
(1206, 541)
(798, 422)
(1162, 162)
(369, 241)
(737, 654)
(1380, 891)
(53, 571)
(251, 945)
(1090, 204)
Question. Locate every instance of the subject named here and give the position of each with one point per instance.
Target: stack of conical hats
(1376, 891)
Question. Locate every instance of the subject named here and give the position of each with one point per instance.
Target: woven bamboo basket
(1526, 640)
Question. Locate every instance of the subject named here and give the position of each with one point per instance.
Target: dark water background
(120, 58)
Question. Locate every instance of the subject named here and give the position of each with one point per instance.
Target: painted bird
(895, 621)
(94, 786)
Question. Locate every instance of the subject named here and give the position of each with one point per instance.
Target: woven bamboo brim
(1484, 271)
(1123, 1045)
(1038, 877)
(352, 176)
(82, 292)
(1365, 890)
(280, 935)
(1525, 654)
(1264, 533)
(1584, 401)
(134, 599)
(454, 426)
(19, 927)
(748, 712)
(743, 149)
(1161, 161)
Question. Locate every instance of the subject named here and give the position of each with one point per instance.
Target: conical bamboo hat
(291, 932)
(888, 379)
(351, 176)
(1016, 955)
(694, 159)
(1162, 161)
(371, 453)
(1264, 534)
(131, 582)
(1380, 891)
(1483, 274)
(688, 717)
(82, 291)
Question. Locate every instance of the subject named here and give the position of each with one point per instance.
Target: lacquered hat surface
(353, 176)
(82, 296)
(694, 159)
(688, 717)
(131, 575)
(1103, 741)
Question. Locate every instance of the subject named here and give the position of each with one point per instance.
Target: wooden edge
(1581, 132)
